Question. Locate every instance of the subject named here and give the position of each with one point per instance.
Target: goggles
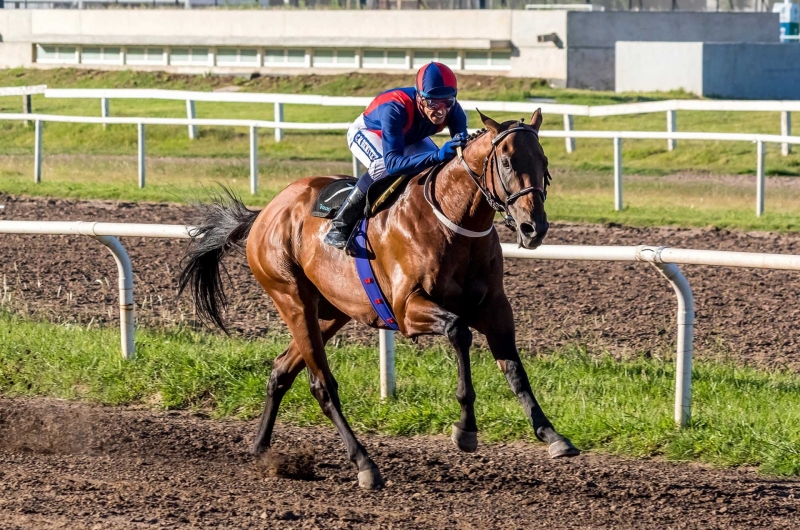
(438, 103)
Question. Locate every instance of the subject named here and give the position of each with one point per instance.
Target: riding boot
(351, 211)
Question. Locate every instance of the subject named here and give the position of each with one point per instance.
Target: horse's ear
(489, 123)
(536, 119)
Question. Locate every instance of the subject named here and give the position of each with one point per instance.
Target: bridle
(499, 205)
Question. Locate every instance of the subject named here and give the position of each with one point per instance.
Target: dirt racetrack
(74, 466)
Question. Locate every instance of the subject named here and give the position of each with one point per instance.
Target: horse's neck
(456, 193)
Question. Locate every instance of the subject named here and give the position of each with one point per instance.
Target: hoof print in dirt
(297, 465)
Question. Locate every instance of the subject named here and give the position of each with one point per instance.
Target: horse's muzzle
(530, 236)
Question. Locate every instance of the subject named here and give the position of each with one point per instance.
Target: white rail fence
(107, 234)
(663, 258)
(26, 92)
(670, 107)
(253, 125)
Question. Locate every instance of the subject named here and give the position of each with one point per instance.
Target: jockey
(392, 137)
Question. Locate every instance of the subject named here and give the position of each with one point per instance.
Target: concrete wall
(751, 71)
(659, 66)
(723, 70)
(592, 37)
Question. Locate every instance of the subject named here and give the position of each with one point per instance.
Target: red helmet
(435, 80)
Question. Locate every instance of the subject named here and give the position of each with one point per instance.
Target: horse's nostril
(527, 230)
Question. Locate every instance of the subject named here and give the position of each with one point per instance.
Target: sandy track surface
(74, 466)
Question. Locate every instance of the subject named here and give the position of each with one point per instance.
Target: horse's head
(516, 175)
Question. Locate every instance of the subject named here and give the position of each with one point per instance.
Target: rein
(499, 205)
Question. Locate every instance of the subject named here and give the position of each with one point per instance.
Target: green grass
(742, 416)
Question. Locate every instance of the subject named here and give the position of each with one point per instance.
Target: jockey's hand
(448, 150)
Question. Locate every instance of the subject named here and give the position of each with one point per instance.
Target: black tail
(225, 225)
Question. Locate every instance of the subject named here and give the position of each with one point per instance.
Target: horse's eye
(506, 163)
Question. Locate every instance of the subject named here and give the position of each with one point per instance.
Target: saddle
(332, 196)
(330, 199)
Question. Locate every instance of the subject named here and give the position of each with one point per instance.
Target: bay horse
(437, 259)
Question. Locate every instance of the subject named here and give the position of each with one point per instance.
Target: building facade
(574, 49)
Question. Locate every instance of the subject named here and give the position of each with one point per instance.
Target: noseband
(499, 205)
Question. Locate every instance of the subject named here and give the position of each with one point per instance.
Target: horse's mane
(476, 134)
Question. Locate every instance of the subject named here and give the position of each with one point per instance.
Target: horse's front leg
(496, 322)
(424, 317)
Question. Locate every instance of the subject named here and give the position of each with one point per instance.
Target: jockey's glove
(448, 150)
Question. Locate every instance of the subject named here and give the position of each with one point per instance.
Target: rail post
(388, 382)
(104, 109)
(786, 130)
(27, 107)
(253, 159)
(569, 143)
(140, 157)
(683, 358)
(126, 320)
(617, 173)
(190, 114)
(355, 167)
(760, 179)
(37, 152)
(278, 118)
(672, 126)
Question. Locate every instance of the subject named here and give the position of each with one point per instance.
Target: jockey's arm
(457, 121)
(393, 122)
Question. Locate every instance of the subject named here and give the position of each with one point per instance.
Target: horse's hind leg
(498, 326)
(298, 305)
(284, 371)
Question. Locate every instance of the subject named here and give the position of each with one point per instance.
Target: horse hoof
(370, 479)
(563, 448)
(465, 440)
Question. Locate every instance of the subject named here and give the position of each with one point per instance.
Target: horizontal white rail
(656, 135)
(510, 106)
(655, 254)
(293, 99)
(87, 228)
(23, 90)
(213, 122)
(695, 105)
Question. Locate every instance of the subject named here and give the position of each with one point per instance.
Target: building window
(101, 55)
(144, 56)
(334, 58)
(56, 54)
(189, 56)
(279, 56)
(487, 60)
(238, 57)
(423, 57)
(449, 59)
(384, 59)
